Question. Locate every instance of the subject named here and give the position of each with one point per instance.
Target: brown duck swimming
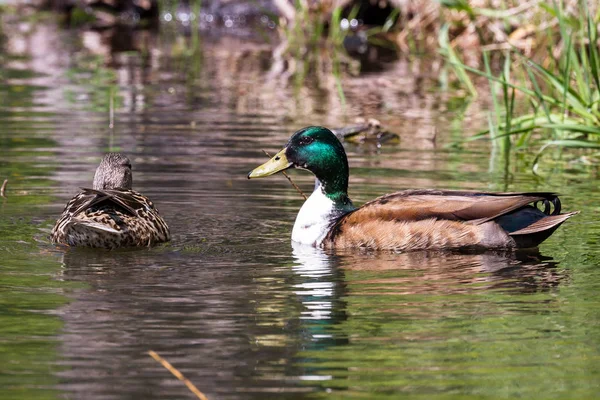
(411, 219)
(110, 215)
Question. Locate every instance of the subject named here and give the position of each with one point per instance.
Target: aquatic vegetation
(538, 59)
(560, 87)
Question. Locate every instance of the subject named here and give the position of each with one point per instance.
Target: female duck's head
(113, 172)
(316, 149)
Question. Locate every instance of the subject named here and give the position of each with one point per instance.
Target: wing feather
(92, 225)
(472, 207)
(416, 219)
(544, 224)
(125, 200)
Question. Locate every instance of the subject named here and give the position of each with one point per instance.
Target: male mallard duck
(111, 214)
(410, 219)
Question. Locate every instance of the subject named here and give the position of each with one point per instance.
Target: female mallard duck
(407, 220)
(110, 215)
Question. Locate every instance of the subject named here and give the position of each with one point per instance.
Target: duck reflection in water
(327, 277)
(345, 296)
(527, 270)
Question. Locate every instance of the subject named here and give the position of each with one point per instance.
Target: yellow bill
(278, 163)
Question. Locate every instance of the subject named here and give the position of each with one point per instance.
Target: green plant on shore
(454, 60)
(561, 88)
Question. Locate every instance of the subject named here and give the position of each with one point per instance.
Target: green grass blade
(537, 91)
(455, 61)
(573, 128)
(492, 83)
(522, 89)
(574, 100)
(514, 132)
(593, 49)
(566, 75)
(572, 143)
(391, 20)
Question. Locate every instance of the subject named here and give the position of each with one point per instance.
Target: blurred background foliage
(538, 62)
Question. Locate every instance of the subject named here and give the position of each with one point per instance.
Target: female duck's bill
(406, 220)
(111, 214)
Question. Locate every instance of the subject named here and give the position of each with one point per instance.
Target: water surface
(230, 302)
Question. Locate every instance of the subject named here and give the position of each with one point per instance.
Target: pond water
(230, 302)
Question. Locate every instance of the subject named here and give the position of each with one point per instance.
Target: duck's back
(446, 219)
(110, 219)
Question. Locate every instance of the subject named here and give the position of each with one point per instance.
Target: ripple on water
(229, 302)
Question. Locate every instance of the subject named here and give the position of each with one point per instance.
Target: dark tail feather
(552, 199)
(556, 202)
(537, 232)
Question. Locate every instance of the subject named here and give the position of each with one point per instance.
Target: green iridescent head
(317, 150)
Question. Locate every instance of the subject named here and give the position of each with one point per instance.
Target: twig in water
(290, 179)
(178, 375)
(3, 188)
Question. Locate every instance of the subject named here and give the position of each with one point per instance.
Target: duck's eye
(128, 165)
(306, 140)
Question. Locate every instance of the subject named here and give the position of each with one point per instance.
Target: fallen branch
(3, 188)
(178, 375)
(290, 179)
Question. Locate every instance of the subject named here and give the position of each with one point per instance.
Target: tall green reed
(560, 89)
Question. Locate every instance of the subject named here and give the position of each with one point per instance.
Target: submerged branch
(3, 188)
(178, 375)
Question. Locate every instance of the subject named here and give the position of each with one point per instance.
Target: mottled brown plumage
(111, 215)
